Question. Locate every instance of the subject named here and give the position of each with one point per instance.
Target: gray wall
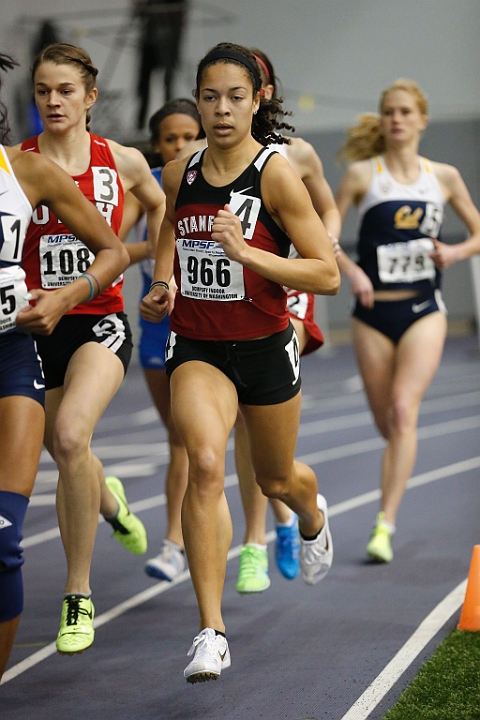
(333, 58)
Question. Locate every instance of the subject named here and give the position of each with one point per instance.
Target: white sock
(255, 545)
(289, 522)
(391, 528)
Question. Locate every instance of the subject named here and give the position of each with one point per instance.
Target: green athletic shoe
(379, 547)
(76, 632)
(128, 529)
(253, 571)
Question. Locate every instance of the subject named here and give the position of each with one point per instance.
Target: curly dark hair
(268, 121)
(6, 63)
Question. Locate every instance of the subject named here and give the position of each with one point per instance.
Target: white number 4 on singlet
(247, 208)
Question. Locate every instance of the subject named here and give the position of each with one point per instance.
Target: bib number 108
(67, 261)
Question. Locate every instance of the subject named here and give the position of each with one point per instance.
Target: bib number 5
(12, 296)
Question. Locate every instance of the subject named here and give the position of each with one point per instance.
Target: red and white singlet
(53, 256)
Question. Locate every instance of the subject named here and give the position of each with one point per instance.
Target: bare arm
(287, 200)
(306, 162)
(132, 213)
(45, 183)
(137, 177)
(352, 188)
(457, 195)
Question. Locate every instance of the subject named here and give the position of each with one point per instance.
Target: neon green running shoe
(128, 529)
(253, 571)
(76, 632)
(379, 547)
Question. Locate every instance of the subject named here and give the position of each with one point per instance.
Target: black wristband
(161, 283)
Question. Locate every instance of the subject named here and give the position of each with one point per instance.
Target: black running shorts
(264, 372)
(73, 331)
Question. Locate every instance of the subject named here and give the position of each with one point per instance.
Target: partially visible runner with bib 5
(86, 357)
(232, 212)
(399, 321)
(26, 182)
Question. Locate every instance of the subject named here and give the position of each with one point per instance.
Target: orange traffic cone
(470, 615)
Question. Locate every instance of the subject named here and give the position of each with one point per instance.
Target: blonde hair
(365, 140)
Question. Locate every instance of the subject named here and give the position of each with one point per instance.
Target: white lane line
(459, 383)
(112, 614)
(145, 595)
(231, 480)
(353, 420)
(416, 481)
(148, 468)
(364, 446)
(425, 632)
(136, 507)
(126, 449)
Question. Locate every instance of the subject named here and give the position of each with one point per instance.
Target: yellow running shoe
(128, 529)
(76, 632)
(379, 547)
(253, 571)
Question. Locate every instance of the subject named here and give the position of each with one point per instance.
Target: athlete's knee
(273, 487)
(402, 416)
(70, 440)
(12, 513)
(206, 468)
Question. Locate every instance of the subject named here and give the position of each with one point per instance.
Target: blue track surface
(298, 652)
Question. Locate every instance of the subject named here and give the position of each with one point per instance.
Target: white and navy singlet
(396, 225)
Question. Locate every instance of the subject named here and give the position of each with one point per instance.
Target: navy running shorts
(393, 318)
(152, 344)
(20, 367)
(153, 337)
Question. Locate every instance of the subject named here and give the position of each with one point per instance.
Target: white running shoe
(316, 556)
(211, 656)
(169, 563)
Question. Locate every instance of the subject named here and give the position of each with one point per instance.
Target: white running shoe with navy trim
(169, 563)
